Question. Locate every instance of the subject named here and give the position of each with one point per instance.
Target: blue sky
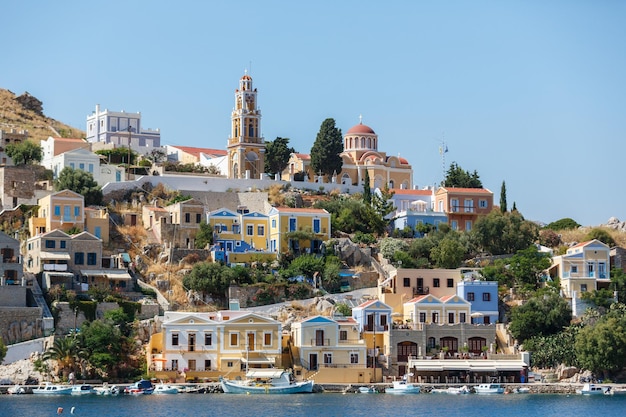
(532, 93)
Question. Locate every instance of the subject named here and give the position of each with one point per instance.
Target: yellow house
(200, 346)
(301, 230)
(97, 222)
(226, 226)
(63, 210)
(254, 230)
(330, 351)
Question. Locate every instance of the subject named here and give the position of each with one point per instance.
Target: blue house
(483, 297)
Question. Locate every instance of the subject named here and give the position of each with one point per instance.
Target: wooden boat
(49, 388)
(266, 381)
(403, 387)
(83, 389)
(491, 388)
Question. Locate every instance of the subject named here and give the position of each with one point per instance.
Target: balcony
(319, 342)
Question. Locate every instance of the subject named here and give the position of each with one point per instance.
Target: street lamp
(129, 128)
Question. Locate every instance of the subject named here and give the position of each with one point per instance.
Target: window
(98, 231)
(462, 318)
(601, 270)
(234, 339)
(72, 165)
(583, 287)
(328, 358)
(574, 269)
(198, 217)
(57, 210)
(260, 230)
(436, 282)
(482, 203)
(451, 318)
(292, 225)
(273, 223)
(435, 317)
(62, 244)
(267, 339)
(91, 258)
(91, 168)
(316, 225)
(175, 364)
(486, 320)
(469, 206)
(590, 269)
(486, 296)
(422, 317)
(354, 358)
(468, 225)
(81, 166)
(50, 244)
(229, 364)
(207, 364)
(431, 342)
(76, 211)
(454, 225)
(191, 364)
(174, 339)
(343, 335)
(470, 296)
(187, 217)
(208, 339)
(454, 203)
(407, 282)
(79, 258)
(450, 282)
(250, 230)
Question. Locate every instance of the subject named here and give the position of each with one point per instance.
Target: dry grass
(579, 235)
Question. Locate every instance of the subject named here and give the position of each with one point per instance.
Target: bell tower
(246, 147)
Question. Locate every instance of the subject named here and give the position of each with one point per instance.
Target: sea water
(326, 405)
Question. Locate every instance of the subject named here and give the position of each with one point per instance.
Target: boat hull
(231, 387)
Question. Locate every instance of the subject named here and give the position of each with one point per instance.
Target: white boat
(522, 390)
(16, 390)
(53, 389)
(83, 389)
(162, 388)
(615, 391)
(452, 390)
(403, 387)
(367, 390)
(107, 389)
(594, 389)
(266, 381)
(491, 388)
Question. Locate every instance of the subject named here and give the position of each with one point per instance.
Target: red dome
(360, 129)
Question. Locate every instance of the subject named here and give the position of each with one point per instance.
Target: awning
(258, 361)
(54, 256)
(264, 373)
(125, 257)
(114, 274)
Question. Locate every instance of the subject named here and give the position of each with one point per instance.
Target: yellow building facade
(300, 230)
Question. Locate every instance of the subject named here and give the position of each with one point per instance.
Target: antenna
(443, 149)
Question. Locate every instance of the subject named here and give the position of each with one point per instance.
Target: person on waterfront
(72, 378)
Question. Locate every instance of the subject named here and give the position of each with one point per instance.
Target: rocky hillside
(25, 112)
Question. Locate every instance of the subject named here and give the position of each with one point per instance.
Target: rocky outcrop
(352, 253)
(615, 224)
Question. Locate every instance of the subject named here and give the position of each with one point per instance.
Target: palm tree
(66, 352)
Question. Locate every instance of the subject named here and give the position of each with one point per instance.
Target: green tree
(618, 284)
(66, 352)
(449, 252)
(326, 149)
(24, 153)
(389, 246)
(503, 207)
(3, 350)
(367, 189)
(544, 314)
(602, 235)
(105, 345)
(601, 348)
(527, 266)
(459, 178)
(210, 279)
(80, 182)
(554, 350)
(563, 224)
(305, 265)
(277, 154)
(204, 236)
(503, 233)
(381, 201)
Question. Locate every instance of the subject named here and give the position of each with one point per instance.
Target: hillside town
(197, 264)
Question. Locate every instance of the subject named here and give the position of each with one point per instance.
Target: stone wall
(12, 296)
(18, 324)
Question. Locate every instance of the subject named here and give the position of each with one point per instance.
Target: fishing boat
(403, 387)
(142, 387)
(491, 388)
(83, 389)
(49, 388)
(593, 389)
(266, 381)
(162, 388)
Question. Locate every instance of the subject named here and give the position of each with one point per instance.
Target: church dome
(361, 129)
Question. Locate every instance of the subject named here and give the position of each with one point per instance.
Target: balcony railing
(320, 342)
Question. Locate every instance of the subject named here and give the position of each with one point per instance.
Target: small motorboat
(83, 389)
(165, 389)
(107, 389)
(594, 389)
(142, 387)
(491, 388)
(452, 390)
(16, 389)
(368, 390)
(403, 387)
(48, 388)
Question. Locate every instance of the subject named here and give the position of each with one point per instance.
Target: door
(319, 338)
(250, 341)
(192, 342)
(313, 361)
